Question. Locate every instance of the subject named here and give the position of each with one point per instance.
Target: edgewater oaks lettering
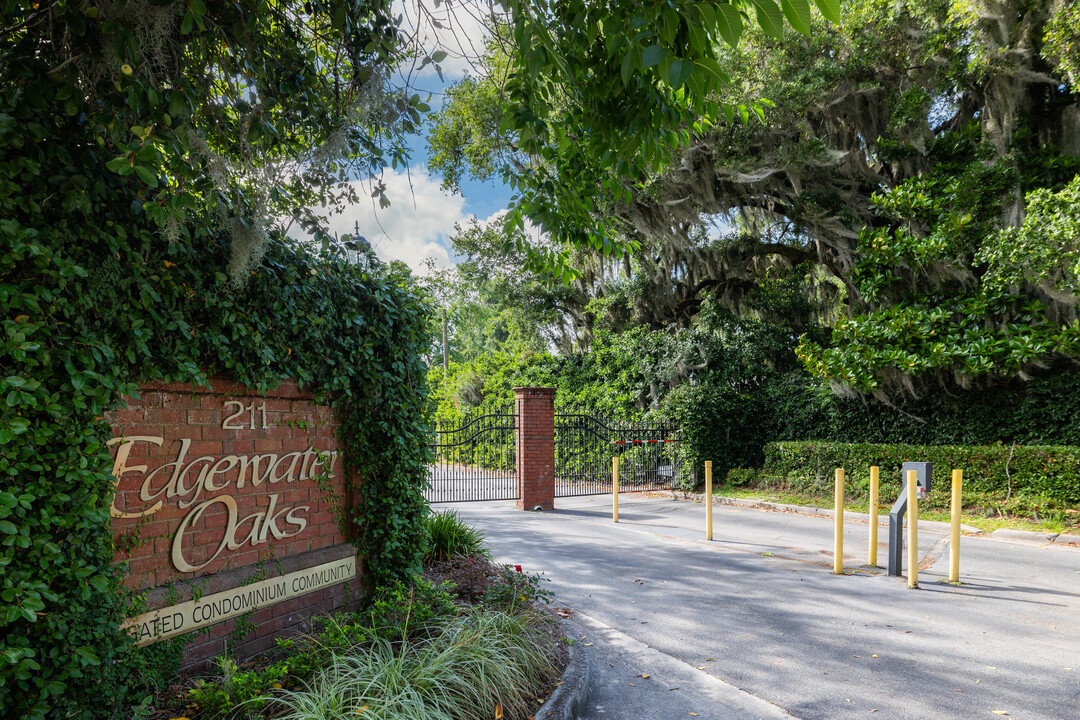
(188, 616)
(206, 486)
(186, 481)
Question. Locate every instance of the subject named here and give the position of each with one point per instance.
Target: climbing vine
(352, 335)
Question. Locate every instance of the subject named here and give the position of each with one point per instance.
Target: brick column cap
(534, 390)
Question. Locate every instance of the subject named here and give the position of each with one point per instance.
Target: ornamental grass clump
(449, 536)
(473, 664)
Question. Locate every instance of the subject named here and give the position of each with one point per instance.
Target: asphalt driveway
(759, 608)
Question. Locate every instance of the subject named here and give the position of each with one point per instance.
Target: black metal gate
(584, 445)
(474, 459)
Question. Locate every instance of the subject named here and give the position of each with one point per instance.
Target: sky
(421, 216)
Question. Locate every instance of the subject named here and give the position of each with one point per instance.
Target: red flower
(518, 568)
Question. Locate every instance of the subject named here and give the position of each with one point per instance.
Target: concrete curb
(1038, 538)
(883, 516)
(569, 699)
(1025, 536)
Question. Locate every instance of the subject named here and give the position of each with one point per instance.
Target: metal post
(838, 533)
(913, 530)
(615, 489)
(708, 499)
(954, 538)
(923, 472)
(875, 478)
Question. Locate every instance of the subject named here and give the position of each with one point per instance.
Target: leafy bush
(404, 607)
(1047, 472)
(740, 477)
(449, 536)
(236, 687)
(515, 588)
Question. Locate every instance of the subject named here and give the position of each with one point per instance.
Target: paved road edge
(739, 703)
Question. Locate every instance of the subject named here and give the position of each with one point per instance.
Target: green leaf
(679, 73)
(713, 69)
(830, 9)
(769, 17)
(729, 21)
(653, 55)
(146, 175)
(797, 13)
(627, 68)
(87, 655)
(7, 527)
(438, 55)
(120, 165)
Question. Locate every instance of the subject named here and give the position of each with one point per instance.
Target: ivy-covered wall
(92, 309)
(125, 162)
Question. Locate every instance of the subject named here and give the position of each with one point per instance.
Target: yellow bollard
(615, 489)
(913, 531)
(875, 477)
(954, 539)
(838, 533)
(708, 499)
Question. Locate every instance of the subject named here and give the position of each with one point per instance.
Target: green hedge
(1049, 472)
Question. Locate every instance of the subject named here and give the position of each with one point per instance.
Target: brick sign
(223, 509)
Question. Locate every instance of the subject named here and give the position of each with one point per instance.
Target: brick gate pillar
(535, 447)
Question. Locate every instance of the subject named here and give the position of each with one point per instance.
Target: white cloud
(416, 226)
